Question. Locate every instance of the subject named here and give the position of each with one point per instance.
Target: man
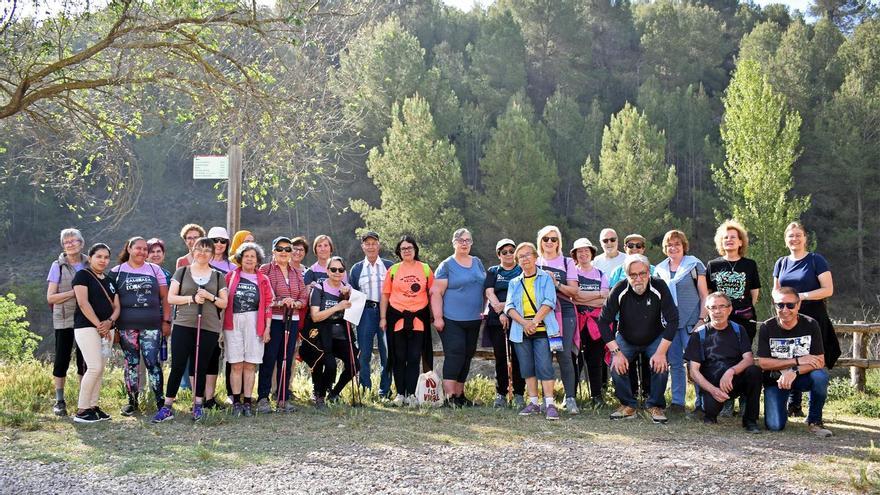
(367, 276)
(793, 358)
(644, 303)
(611, 258)
(190, 233)
(722, 365)
(633, 244)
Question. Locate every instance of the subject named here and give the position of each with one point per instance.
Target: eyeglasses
(610, 239)
(525, 256)
(464, 241)
(284, 249)
(554, 240)
(220, 240)
(506, 252)
(407, 248)
(635, 245)
(298, 249)
(716, 308)
(789, 305)
(70, 242)
(336, 270)
(637, 275)
(192, 238)
(202, 250)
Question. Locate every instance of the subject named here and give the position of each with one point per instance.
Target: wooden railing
(859, 361)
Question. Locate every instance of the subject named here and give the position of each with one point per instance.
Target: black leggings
(183, 349)
(459, 346)
(498, 336)
(592, 357)
(407, 347)
(63, 346)
(324, 372)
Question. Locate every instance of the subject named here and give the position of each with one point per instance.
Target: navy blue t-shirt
(801, 275)
(498, 278)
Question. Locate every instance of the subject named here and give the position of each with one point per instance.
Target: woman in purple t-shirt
(144, 318)
(592, 292)
(564, 271)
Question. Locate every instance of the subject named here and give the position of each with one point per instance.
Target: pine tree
(419, 180)
(760, 138)
(633, 184)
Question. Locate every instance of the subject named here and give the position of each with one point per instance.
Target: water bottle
(106, 347)
(163, 349)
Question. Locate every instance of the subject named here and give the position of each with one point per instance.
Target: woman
(199, 292)
(317, 273)
(531, 299)
(62, 300)
(808, 273)
(564, 271)
(251, 295)
(457, 301)
(220, 262)
(328, 302)
(156, 255)
(686, 277)
(285, 274)
(735, 275)
(497, 325)
(93, 321)
(190, 233)
(240, 237)
(144, 318)
(592, 292)
(404, 309)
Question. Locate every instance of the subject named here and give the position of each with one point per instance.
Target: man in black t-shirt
(721, 363)
(793, 358)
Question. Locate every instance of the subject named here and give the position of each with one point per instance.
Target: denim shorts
(535, 358)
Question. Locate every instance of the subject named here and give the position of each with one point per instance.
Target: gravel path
(742, 464)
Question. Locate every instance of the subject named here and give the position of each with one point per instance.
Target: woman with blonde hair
(564, 272)
(735, 275)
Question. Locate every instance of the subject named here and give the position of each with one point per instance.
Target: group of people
(613, 314)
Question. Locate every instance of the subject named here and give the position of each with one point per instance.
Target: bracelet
(796, 362)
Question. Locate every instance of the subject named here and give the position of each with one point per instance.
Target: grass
(28, 430)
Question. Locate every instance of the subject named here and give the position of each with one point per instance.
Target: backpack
(393, 270)
(702, 334)
(429, 390)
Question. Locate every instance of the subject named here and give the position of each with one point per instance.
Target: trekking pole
(355, 376)
(281, 382)
(198, 343)
(509, 367)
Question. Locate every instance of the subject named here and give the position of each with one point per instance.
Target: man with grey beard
(644, 304)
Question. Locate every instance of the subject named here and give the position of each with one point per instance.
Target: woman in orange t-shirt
(404, 310)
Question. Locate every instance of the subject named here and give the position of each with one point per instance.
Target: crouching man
(722, 365)
(793, 358)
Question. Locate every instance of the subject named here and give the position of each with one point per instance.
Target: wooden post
(857, 375)
(233, 201)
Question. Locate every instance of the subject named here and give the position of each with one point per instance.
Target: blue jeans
(535, 358)
(367, 329)
(677, 370)
(622, 385)
(776, 399)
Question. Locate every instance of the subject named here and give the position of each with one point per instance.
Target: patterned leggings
(134, 343)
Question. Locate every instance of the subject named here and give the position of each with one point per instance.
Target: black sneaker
(752, 428)
(795, 411)
(101, 414)
(128, 410)
(60, 408)
(248, 410)
(333, 398)
(462, 401)
(87, 416)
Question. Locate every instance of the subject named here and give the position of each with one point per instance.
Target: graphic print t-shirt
(325, 297)
(563, 269)
(247, 294)
(775, 342)
(139, 295)
(498, 278)
(737, 279)
(592, 281)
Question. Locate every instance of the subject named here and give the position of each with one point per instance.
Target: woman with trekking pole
(405, 313)
(144, 319)
(285, 273)
(199, 292)
(509, 384)
(246, 324)
(328, 302)
(592, 292)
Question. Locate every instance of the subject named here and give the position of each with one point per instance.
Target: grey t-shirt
(689, 298)
(187, 314)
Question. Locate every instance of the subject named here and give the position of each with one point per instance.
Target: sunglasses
(610, 239)
(789, 305)
(285, 249)
(506, 252)
(634, 245)
(220, 240)
(336, 270)
(550, 239)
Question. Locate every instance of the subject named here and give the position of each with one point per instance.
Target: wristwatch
(795, 369)
(615, 351)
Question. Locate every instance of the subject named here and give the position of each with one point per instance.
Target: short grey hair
(460, 232)
(634, 258)
(71, 232)
(249, 246)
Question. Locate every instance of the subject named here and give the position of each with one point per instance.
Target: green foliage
(761, 145)
(519, 179)
(633, 176)
(861, 53)
(17, 343)
(497, 68)
(569, 147)
(418, 178)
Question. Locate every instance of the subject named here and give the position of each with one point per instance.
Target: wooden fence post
(233, 201)
(857, 374)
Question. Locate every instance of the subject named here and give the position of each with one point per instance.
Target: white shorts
(242, 342)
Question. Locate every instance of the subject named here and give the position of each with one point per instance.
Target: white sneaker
(412, 401)
(571, 406)
(398, 401)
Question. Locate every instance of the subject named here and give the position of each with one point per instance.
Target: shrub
(17, 343)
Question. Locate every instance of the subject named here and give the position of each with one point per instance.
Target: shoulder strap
(522, 281)
(426, 269)
(702, 334)
(100, 285)
(393, 270)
